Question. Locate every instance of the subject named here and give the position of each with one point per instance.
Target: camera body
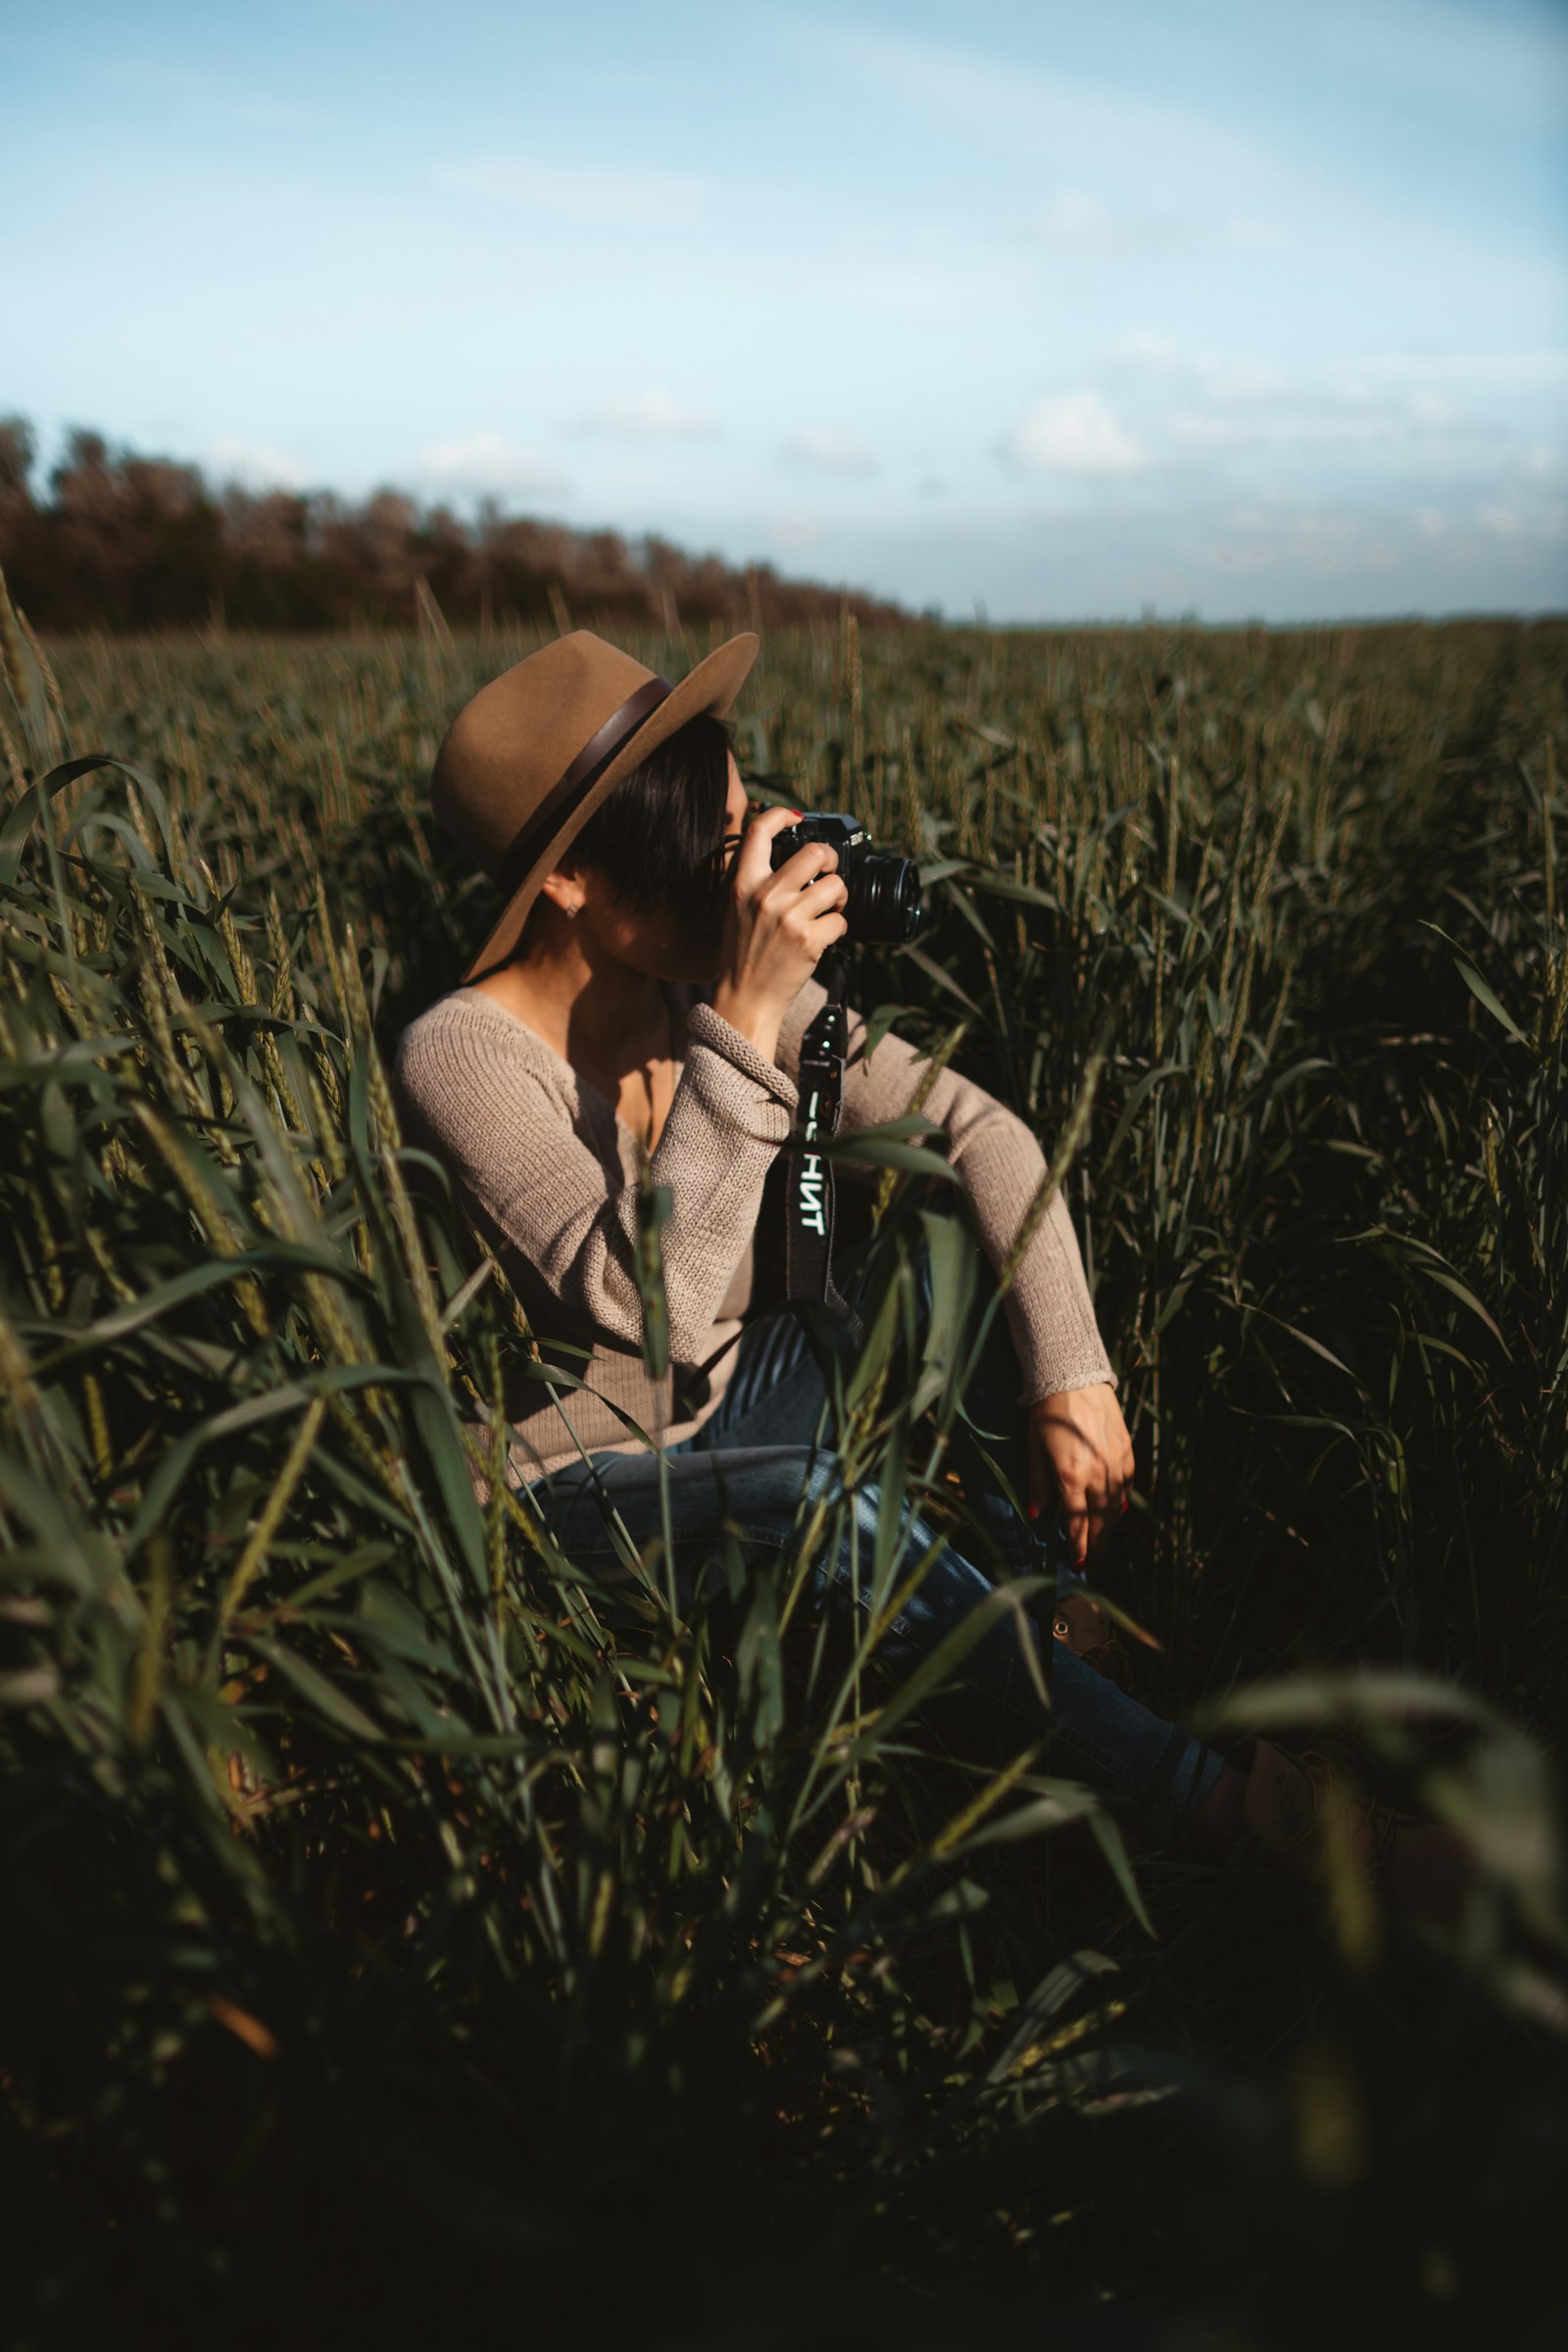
(885, 906)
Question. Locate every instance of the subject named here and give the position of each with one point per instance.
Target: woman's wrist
(1071, 1387)
(756, 1024)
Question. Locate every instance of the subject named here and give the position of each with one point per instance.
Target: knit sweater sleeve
(493, 1105)
(1048, 1306)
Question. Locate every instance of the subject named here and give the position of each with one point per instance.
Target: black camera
(885, 906)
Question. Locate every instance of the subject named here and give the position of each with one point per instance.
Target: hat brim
(711, 686)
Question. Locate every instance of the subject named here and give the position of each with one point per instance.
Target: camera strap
(809, 1189)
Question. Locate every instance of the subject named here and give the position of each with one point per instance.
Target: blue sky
(1065, 311)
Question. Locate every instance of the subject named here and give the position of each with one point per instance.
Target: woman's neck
(585, 1005)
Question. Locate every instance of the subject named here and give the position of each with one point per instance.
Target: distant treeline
(125, 542)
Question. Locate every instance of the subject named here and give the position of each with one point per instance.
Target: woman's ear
(563, 887)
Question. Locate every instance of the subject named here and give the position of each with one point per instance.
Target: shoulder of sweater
(465, 1035)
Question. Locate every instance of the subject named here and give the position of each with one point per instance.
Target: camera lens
(885, 906)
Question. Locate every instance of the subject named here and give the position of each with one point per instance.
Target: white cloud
(1507, 371)
(795, 530)
(1242, 380)
(1322, 534)
(484, 461)
(1433, 407)
(1073, 224)
(584, 195)
(1075, 432)
(1149, 351)
(257, 467)
(834, 453)
(648, 415)
(1404, 417)
(1297, 557)
(1321, 414)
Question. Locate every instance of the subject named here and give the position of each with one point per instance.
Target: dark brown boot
(1296, 1799)
(1084, 1628)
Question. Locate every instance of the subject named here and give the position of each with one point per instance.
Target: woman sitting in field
(645, 993)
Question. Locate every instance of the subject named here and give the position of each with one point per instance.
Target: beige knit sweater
(548, 1173)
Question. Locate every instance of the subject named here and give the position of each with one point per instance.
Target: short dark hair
(654, 839)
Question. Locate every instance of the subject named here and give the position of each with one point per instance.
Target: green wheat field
(405, 1942)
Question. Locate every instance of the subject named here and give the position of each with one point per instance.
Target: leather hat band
(563, 800)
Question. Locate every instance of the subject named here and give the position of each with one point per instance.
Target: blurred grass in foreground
(404, 1939)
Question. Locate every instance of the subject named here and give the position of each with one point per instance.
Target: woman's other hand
(776, 928)
(1080, 1463)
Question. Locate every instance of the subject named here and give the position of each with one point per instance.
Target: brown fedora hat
(528, 760)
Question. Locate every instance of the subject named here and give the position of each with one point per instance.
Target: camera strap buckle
(810, 1190)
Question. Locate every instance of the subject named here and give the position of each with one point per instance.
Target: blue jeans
(763, 1452)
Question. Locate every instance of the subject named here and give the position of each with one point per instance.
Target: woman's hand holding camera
(776, 927)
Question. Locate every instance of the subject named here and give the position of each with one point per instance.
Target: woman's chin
(699, 964)
(682, 960)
